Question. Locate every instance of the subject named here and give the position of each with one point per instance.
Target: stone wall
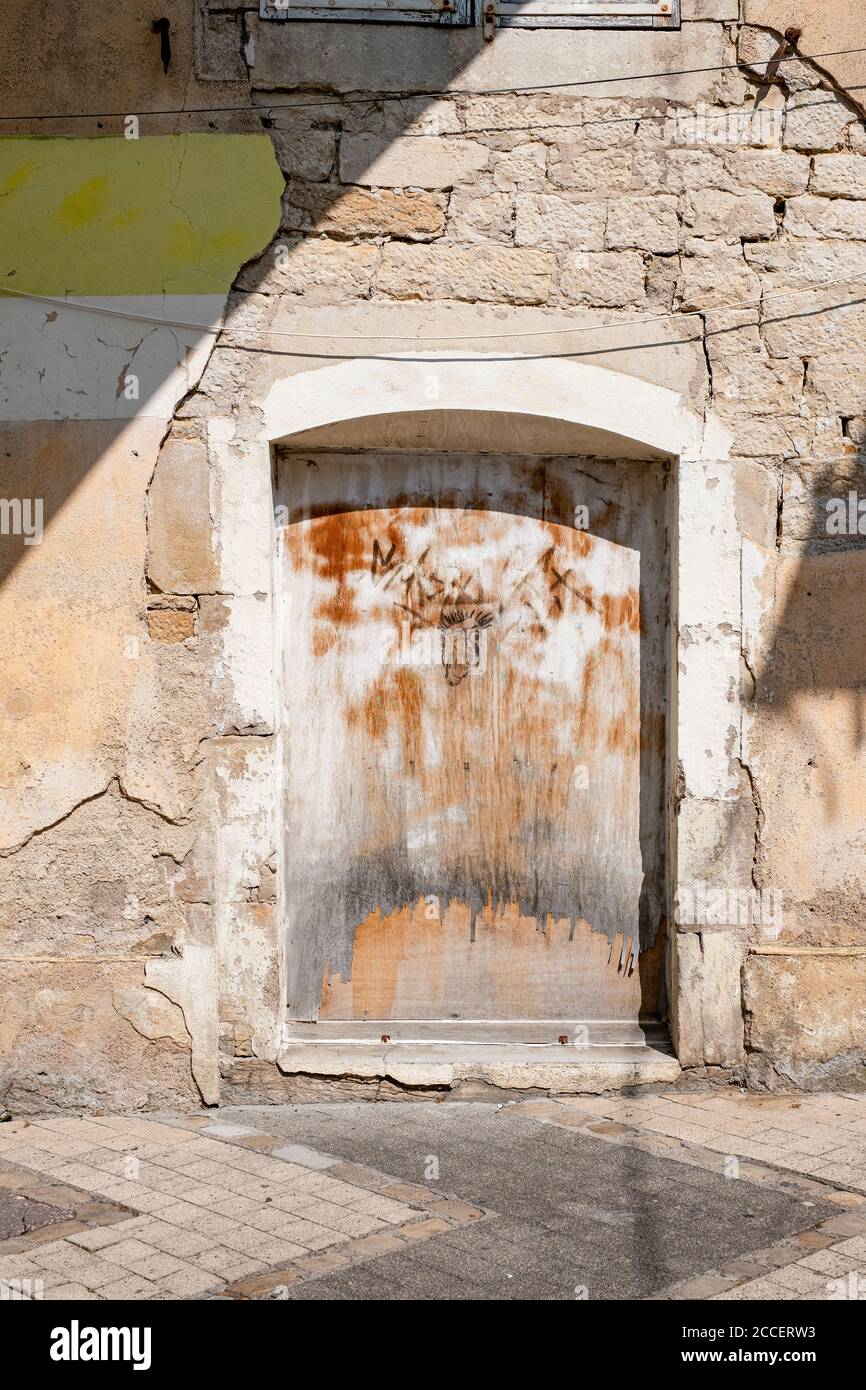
(698, 233)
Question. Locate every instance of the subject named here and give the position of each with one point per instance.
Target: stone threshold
(584, 1067)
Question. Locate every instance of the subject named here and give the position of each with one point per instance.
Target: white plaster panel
(709, 712)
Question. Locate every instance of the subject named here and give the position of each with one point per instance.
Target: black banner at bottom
(239, 1336)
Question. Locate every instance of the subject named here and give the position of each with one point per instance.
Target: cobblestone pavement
(711, 1195)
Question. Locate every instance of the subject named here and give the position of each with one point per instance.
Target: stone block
(179, 524)
(607, 278)
(730, 216)
(550, 221)
(362, 212)
(410, 161)
(816, 121)
(484, 272)
(648, 224)
(839, 176)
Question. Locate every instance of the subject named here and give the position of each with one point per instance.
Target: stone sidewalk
(192, 1208)
(272, 1202)
(816, 1144)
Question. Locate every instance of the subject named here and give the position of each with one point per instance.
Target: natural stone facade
(606, 228)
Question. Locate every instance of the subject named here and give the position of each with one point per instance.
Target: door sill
(507, 1054)
(477, 1032)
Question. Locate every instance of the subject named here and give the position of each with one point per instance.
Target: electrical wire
(381, 96)
(226, 327)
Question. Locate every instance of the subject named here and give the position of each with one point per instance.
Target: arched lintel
(571, 392)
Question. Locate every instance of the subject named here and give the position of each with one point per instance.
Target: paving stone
(812, 1240)
(132, 1287)
(377, 1244)
(81, 1267)
(322, 1264)
(705, 1286)
(855, 1247)
(410, 1192)
(422, 1230)
(849, 1224)
(258, 1285)
(320, 1238)
(186, 1283)
(757, 1289)
(227, 1264)
(457, 1211)
(19, 1267)
(359, 1176)
(304, 1157)
(828, 1262)
(271, 1250)
(156, 1266)
(73, 1293)
(798, 1279)
(745, 1268)
(775, 1256)
(128, 1252)
(221, 1130)
(61, 1231)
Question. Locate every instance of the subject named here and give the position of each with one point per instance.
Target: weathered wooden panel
(474, 735)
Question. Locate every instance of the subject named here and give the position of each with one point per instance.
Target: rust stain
(386, 943)
(459, 770)
(653, 734)
(323, 641)
(621, 610)
(409, 964)
(334, 547)
(651, 969)
(339, 608)
(623, 736)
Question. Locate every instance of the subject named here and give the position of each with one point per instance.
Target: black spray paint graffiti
(452, 603)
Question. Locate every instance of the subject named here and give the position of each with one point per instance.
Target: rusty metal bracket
(488, 21)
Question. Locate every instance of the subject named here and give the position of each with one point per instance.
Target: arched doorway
(474, 636)
(473, 678)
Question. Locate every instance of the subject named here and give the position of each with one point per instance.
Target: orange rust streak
(487, 764)
(406, 965)
(621, 610)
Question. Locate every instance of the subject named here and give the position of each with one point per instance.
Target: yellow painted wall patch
(172, 214)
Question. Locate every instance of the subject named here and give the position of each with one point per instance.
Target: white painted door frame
(707, 624)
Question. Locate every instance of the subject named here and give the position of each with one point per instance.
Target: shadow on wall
(814, 674)
(90, 234)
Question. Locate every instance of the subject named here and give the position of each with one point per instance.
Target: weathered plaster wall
(108, 925)
(461, 218)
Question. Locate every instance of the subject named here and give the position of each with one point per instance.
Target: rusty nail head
(563, 1038)
(386, 1037)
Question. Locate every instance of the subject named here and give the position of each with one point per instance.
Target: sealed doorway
(473, 672)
